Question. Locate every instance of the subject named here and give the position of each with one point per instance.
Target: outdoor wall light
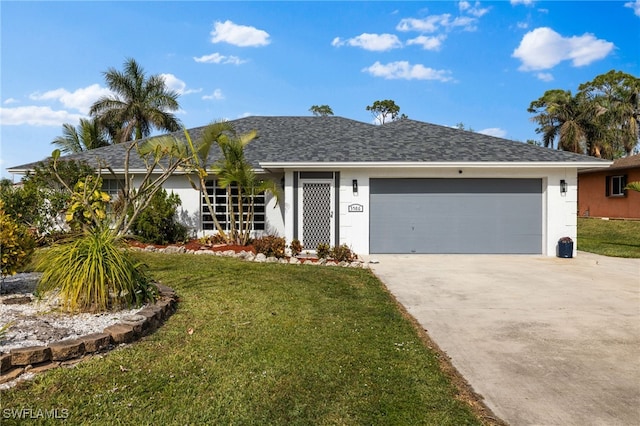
(563, 186)
(355, 186)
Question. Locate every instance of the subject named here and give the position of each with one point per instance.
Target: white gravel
(39, 322)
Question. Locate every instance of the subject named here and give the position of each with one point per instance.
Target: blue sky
(443, 62)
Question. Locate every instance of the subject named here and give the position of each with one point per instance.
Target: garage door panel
(473, 216)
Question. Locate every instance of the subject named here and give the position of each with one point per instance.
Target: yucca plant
(94, 272)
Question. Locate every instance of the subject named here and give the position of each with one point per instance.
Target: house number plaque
(356, 208)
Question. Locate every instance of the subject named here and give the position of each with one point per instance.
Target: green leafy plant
(94, 273)
(16, 245)
(158, 223)
(296, 247)
(88, 206)
(342, 253)
(323, 250)
(270, 246)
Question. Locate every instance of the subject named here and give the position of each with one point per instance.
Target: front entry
(316, 217)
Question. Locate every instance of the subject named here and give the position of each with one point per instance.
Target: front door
(316, 216)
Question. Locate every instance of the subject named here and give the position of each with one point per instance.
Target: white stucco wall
(558, 216)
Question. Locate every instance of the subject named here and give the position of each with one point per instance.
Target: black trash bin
(565, 247)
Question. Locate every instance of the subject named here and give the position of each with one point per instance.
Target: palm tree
(138, 104)
(616, 98)
(88, 135)
(566, 118)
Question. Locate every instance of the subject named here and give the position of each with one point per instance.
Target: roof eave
(431, 165)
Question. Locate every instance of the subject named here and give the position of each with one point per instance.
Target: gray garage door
(456, 216)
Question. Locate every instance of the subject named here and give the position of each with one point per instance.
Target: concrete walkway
(546, 341)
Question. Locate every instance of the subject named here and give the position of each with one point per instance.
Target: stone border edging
(35, 359)
(251, 257)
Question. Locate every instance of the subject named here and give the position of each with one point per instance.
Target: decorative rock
(42, 367)
(272, 259)
(260, 258)
(11, 375)
(30, 355)
(121, 333)
(66, 349)
(5, 363)
(294, 261)
(137, 321)
(150, 248)
(96, 342)
(174, 249)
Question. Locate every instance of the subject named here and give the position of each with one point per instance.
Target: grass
(617, 238)
(260, 344)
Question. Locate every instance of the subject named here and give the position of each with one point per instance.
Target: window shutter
(624, 185)
(607, 186)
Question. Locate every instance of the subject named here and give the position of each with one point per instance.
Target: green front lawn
(617, 238)
(261, 344)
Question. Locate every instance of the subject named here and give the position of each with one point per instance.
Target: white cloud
(494, 131)
(525, 2)
(80, 100)
(36, 116)
(216, 95)
(433, 23)
(177, 85)
(544, 48)
(238, 35)
(10, 101)
(522, 25)
(428, 43)
(545, 76)
(404, 70)
(373, 42)
(635, 5)
(216, 58)
(474, 10)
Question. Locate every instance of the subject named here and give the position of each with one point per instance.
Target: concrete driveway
(545, 341)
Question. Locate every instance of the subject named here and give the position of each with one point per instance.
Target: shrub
(158, 224)
(342, 253)
(88, 204)
(296, 247)
(323, 250)
(16, 245)
(212, 240)
(270, 246)
(93, 273)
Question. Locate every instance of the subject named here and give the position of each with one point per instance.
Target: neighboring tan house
(601, 192)
(401, 187)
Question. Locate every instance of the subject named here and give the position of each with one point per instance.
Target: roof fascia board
(430, 165)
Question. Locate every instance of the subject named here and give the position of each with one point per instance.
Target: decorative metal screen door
(317, 214)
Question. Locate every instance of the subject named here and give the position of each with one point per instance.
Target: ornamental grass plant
(94, 272)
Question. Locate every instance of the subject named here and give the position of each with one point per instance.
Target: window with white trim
(220, 201)
(615, 186)
(111, 187)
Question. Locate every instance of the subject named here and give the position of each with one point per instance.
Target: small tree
(234, 173)
(384, 110)
(321, 110)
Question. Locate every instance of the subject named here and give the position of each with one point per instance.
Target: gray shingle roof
(337, 139)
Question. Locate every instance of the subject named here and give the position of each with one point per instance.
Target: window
(220, 200)
(112, 187)
(615, 186)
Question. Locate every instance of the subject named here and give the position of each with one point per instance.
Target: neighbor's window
(220, 201)
(112, 187)
(615, 186)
